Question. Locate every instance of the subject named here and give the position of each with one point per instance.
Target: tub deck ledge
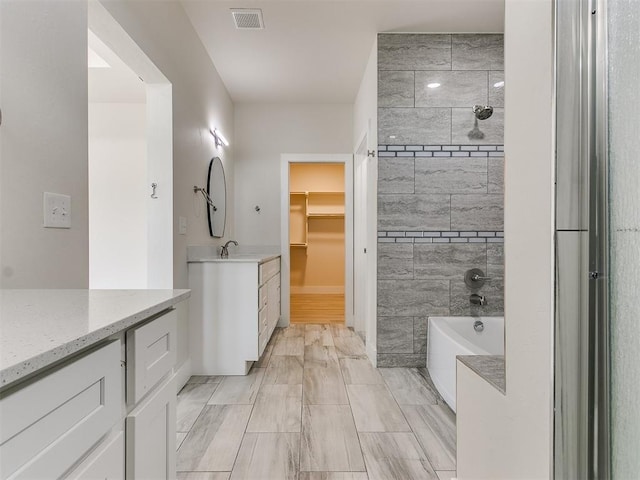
(489, 367)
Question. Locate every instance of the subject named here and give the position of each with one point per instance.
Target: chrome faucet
(476, 299)
(224, 250)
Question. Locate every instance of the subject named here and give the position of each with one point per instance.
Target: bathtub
(452, 336)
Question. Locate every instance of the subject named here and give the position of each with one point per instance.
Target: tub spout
(476, 299)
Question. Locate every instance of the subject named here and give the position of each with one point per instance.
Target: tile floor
(313, 408)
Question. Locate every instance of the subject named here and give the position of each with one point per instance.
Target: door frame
(370, 236)
(285, 260)
(360, 240)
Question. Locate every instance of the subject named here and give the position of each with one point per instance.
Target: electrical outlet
(182, 225)
(57, 210)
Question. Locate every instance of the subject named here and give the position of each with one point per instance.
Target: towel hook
(153, 192)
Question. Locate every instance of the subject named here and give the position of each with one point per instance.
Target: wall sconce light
(219, 138)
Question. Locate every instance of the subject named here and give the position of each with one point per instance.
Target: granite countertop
(41, 327)
(201, 254)
(489, 367)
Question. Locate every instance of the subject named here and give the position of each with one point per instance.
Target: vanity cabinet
(73, 421)
(105, 463)
(234, 309)
(151, 435)
(151, 397)
(51, 422)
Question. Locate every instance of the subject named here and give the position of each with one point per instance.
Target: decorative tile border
(441, 237)
(413, 151)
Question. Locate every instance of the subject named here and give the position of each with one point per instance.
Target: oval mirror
(217, 190)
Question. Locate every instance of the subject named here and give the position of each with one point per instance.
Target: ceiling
(314, 51)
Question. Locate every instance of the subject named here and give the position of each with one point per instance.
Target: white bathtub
(452, 336)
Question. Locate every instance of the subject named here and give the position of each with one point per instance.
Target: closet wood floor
(317, 308)
(313, 408)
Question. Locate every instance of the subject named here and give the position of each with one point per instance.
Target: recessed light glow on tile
(433, 85)
(392, 137)
(498, 84)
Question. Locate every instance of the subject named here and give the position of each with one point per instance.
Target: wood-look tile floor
(313, 408)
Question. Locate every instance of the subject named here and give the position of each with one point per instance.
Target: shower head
(482, 112)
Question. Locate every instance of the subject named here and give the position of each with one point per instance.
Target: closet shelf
(304, 206)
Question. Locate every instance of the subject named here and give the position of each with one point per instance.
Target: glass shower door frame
(599, 319)
(582, 379)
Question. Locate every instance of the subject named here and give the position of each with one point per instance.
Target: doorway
(130, 161)
(317, 242)
(346, 160)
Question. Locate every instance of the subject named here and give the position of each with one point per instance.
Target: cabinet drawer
(268, 270)
(263, 339)
(52, 422)
(106, 463)
(262, 296)
(262, 319)
(273, 322)
(151, 435)
(151, 354)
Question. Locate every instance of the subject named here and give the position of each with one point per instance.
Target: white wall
(44, 130)
(365, 108)
(263, 133)
(510, 437)
(200, 102)
(43, 142)
(118, 195)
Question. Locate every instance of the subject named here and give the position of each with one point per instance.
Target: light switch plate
(182, 225)
(57, 210)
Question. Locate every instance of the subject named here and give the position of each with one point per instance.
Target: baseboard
(320, 290)
(372, 353)
(183, 374)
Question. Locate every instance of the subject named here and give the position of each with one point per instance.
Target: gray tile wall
(440, 190)
(469, 69)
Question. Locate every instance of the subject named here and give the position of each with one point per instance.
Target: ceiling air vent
(247, 18)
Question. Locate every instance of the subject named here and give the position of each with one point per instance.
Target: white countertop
(40, 327)
(200, 254)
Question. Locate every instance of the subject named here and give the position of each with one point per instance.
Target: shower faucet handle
(474, 278)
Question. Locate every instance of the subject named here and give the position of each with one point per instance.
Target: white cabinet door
(151, 435)
(106, 463)
(151, 354)
(47, 425)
